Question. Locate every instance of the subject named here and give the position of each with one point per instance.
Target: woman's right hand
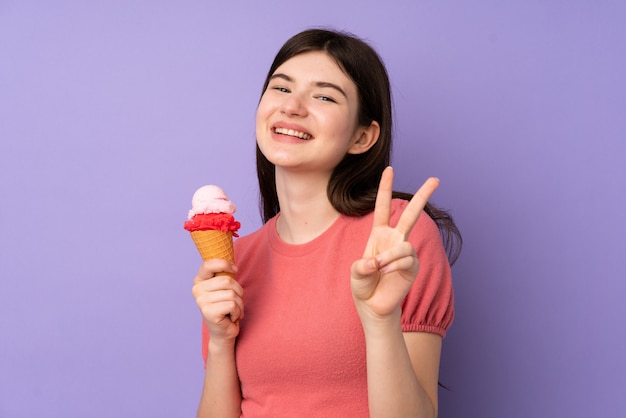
(220, 299)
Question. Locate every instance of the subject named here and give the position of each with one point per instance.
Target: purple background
(112, 113)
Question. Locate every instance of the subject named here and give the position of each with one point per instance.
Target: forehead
(313, 67)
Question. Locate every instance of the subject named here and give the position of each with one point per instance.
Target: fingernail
(371, 264)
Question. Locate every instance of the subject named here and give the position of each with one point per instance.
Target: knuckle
(207, 312)
(196, 290)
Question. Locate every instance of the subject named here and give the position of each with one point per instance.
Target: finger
(231, 308)
(401, 250)
(364, 267)
(217, 312)
(214, 303)
(407, 264)
(382, 208)
(219, 283)
(211, 268)
(416, 206)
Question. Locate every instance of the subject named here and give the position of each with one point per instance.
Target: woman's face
(307, 116)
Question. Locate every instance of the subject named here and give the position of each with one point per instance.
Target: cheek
(262, 113)
(262, 132)
(343, 126)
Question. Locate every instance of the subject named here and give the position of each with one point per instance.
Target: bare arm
(220, 299)
(221, 394)
(402, 373)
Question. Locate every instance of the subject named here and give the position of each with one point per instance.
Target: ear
(365, 138)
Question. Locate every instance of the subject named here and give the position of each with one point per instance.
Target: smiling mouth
(291, 132)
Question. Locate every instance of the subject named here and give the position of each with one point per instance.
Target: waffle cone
(215, 244)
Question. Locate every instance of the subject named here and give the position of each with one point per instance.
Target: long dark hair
(354, 182)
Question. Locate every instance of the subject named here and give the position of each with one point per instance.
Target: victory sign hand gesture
(382, 278)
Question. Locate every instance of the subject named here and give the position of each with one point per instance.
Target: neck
(305, 211)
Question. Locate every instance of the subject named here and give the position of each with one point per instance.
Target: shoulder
(425, 229)
(429, 306)
(252, 240)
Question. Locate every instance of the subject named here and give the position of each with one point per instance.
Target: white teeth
(291, 132)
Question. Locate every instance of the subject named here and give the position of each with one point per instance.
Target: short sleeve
(429, 305)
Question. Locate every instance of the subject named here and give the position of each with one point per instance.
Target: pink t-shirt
(301, 349)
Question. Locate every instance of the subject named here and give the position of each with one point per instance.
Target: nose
(294, 105)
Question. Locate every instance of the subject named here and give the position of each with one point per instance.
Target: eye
(280, 89)
(326, 99)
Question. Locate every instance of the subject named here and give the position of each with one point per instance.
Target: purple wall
(113, 112)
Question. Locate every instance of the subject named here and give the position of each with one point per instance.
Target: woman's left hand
(382, 278)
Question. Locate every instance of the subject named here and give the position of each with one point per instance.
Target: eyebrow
(323, 84)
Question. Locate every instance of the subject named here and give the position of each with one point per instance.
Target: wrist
(380, 324)
(218, 346)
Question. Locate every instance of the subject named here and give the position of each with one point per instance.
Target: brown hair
(354, 182)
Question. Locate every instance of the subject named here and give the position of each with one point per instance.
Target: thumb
(364, 267)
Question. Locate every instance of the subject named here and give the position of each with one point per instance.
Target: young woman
(343, 297)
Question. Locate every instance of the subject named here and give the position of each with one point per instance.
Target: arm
(402, 368)
(221, 394)
(402, 372)
(220, 299)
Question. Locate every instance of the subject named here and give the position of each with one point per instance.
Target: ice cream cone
(212, 225)
(215, 244)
